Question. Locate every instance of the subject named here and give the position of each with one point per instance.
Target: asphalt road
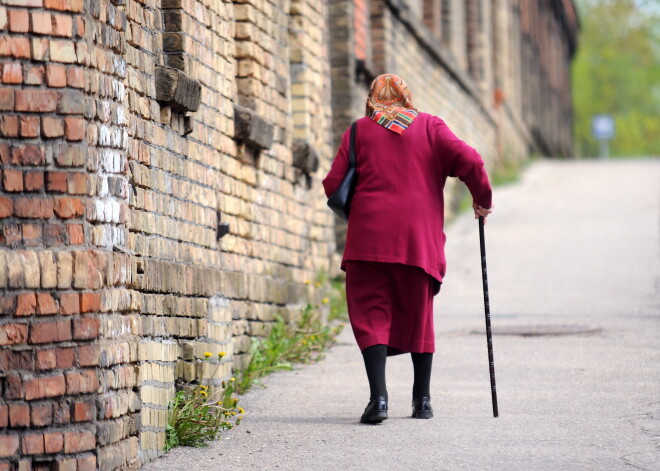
(573, 250)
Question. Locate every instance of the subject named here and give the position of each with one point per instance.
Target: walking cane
(489, 333)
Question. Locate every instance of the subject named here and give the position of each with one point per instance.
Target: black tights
(374, 362)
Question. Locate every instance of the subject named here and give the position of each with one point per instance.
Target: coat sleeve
(339, 166)
(464, 163)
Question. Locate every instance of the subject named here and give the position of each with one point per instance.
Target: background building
(161, 165)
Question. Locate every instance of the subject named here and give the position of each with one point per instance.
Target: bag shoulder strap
(351, 152)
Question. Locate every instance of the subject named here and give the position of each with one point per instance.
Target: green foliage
(301, 342)
(338, 308)
(617, 71)
(196, 417)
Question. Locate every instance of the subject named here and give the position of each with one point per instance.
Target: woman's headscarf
(390, 103)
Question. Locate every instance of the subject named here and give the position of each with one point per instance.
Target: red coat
(397, 212)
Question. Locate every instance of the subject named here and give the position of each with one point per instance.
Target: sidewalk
(574, 246)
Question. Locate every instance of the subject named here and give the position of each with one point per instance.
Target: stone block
(177, 89)
(252, 129)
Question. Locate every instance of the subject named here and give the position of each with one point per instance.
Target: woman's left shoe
(422, 408)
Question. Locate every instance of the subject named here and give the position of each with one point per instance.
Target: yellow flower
(232, 379)
(241, 410)
(203, 393)
(325, 301)
(239, 418)
(203, 387)
(221, 354)
(207, 355)
(318, 285)
(235, 402)
(307, 282)
(219, 403)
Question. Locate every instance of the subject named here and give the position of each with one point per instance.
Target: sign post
(602, 128)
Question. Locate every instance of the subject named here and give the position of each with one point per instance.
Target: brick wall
(139, 227)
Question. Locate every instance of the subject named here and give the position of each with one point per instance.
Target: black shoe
(375, 412)
(422, 408)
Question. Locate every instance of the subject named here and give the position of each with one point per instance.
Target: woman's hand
(481, 211)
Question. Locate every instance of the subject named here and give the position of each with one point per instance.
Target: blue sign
(602, 127)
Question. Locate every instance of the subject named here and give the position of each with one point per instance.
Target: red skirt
(391, 304)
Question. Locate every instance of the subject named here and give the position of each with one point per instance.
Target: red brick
(49, 386)
(14, 388)
(6, 207)
(61, 413)
(33, 444)
(46, 304)
(6, 99)
(35, 75)
(34, 207)
(12, 180)
(76, 234)
(19, 360)
(36, 100)
(19, 415)
(34, 181)
(56, 75)
(77, 183)
(64, 464)
(11, 233)
(75, 77)
(41, 414)
(9, 445)
(7, 306)
(90, 302)
(19, 47)
(28, 154)
(31, 234)
(83, 411)
(9, 125)
(53, 235)
(46, 359)
(69, 303)
(19, 21)
(53, 442)
(62, 25)
(88, 355)
(5, 153)
(56, 182)
(87, 463)
(4, 415)
(41, 22)
(54, 331)
(52, 127)
(79, 441)
(29, 126)
(68, 208)
(74, 129)
(12, 334)
(80, 26)
(12, 73)
(49, 359)
(66, 357)
(27, 304)
(85, 328)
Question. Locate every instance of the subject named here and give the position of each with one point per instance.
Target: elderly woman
(394, 257)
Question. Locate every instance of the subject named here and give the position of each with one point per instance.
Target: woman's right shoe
(375, 412)
(422, 408)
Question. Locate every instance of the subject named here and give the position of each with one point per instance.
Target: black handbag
(340, 200)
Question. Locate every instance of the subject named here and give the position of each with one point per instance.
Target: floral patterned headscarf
(390, 103)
